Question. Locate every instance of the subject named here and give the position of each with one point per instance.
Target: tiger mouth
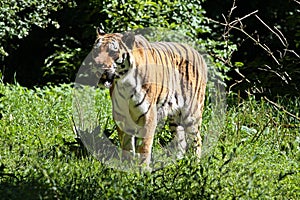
(106, 78)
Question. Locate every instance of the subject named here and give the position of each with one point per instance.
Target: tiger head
(111, 56)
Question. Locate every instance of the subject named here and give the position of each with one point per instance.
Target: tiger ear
(99, 31)
(128, 38)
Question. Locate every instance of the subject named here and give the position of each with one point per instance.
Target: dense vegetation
(257, 152)
(257, 155)
(46, 41)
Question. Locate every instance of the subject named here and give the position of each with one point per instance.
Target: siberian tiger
(150, 82)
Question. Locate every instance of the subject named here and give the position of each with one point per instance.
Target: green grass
(257, 155)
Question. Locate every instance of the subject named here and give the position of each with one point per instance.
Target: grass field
(257, 155)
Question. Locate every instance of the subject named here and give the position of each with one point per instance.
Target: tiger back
(148, 83)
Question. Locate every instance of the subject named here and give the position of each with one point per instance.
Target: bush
(256, 156)
(20, 43)
(18, 17)
(60, 51)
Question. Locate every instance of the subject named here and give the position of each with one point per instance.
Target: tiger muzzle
(106, 77)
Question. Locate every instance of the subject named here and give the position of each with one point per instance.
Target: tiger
(150, 82)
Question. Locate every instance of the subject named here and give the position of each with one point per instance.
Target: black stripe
(176, 97)
(179, 51)
(195, 91)
(172, 48)
(199, 71)
(119, 93)
(142, 115)
(140, 103)
(146, 48)
(197, 74)
(186, 62)
(116, 103)
(162, 66)
(179, 65)
(158, 54)
(163, 50)
(119, 114)
(133, 92)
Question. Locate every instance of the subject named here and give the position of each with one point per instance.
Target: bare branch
(239, 81)
(298, 2)
(284, 43)
(281, 34)
(232, 9)
(293, 52)
(282, 108)
(238, 20)
(237, 24)
(275, 72)
(231, 25)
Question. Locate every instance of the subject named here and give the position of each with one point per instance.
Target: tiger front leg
(145, 135)
(136, 149)
(143, 149)
(127, 144)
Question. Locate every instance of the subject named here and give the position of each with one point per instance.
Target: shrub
(61, 50)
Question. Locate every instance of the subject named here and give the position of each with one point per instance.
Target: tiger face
(111, 56)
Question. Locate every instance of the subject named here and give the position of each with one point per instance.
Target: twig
(238, 20)
(242, 75)
(277, 74)
(232, 24)
(293, 52)
(231, 10)
(264, 47)
(298, 2)
(258, 134)
(238, 25)
(284, 43)
(282, 108)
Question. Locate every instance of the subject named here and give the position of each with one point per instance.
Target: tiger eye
(113, 46)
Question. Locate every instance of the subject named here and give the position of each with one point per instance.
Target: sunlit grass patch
(257, 154)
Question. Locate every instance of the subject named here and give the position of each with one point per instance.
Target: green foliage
(62, 49)
(257, 154)
(125, 15)
(22, 44)
(18, 17)
(63, 63)
(46, 41)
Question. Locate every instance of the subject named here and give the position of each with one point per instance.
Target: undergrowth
(257, 155)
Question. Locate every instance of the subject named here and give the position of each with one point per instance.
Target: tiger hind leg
(194, 137)
(179, 143)
(186, 135)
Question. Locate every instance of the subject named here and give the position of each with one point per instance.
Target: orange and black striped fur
(150, 82)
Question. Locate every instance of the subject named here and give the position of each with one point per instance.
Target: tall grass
(257, 155)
